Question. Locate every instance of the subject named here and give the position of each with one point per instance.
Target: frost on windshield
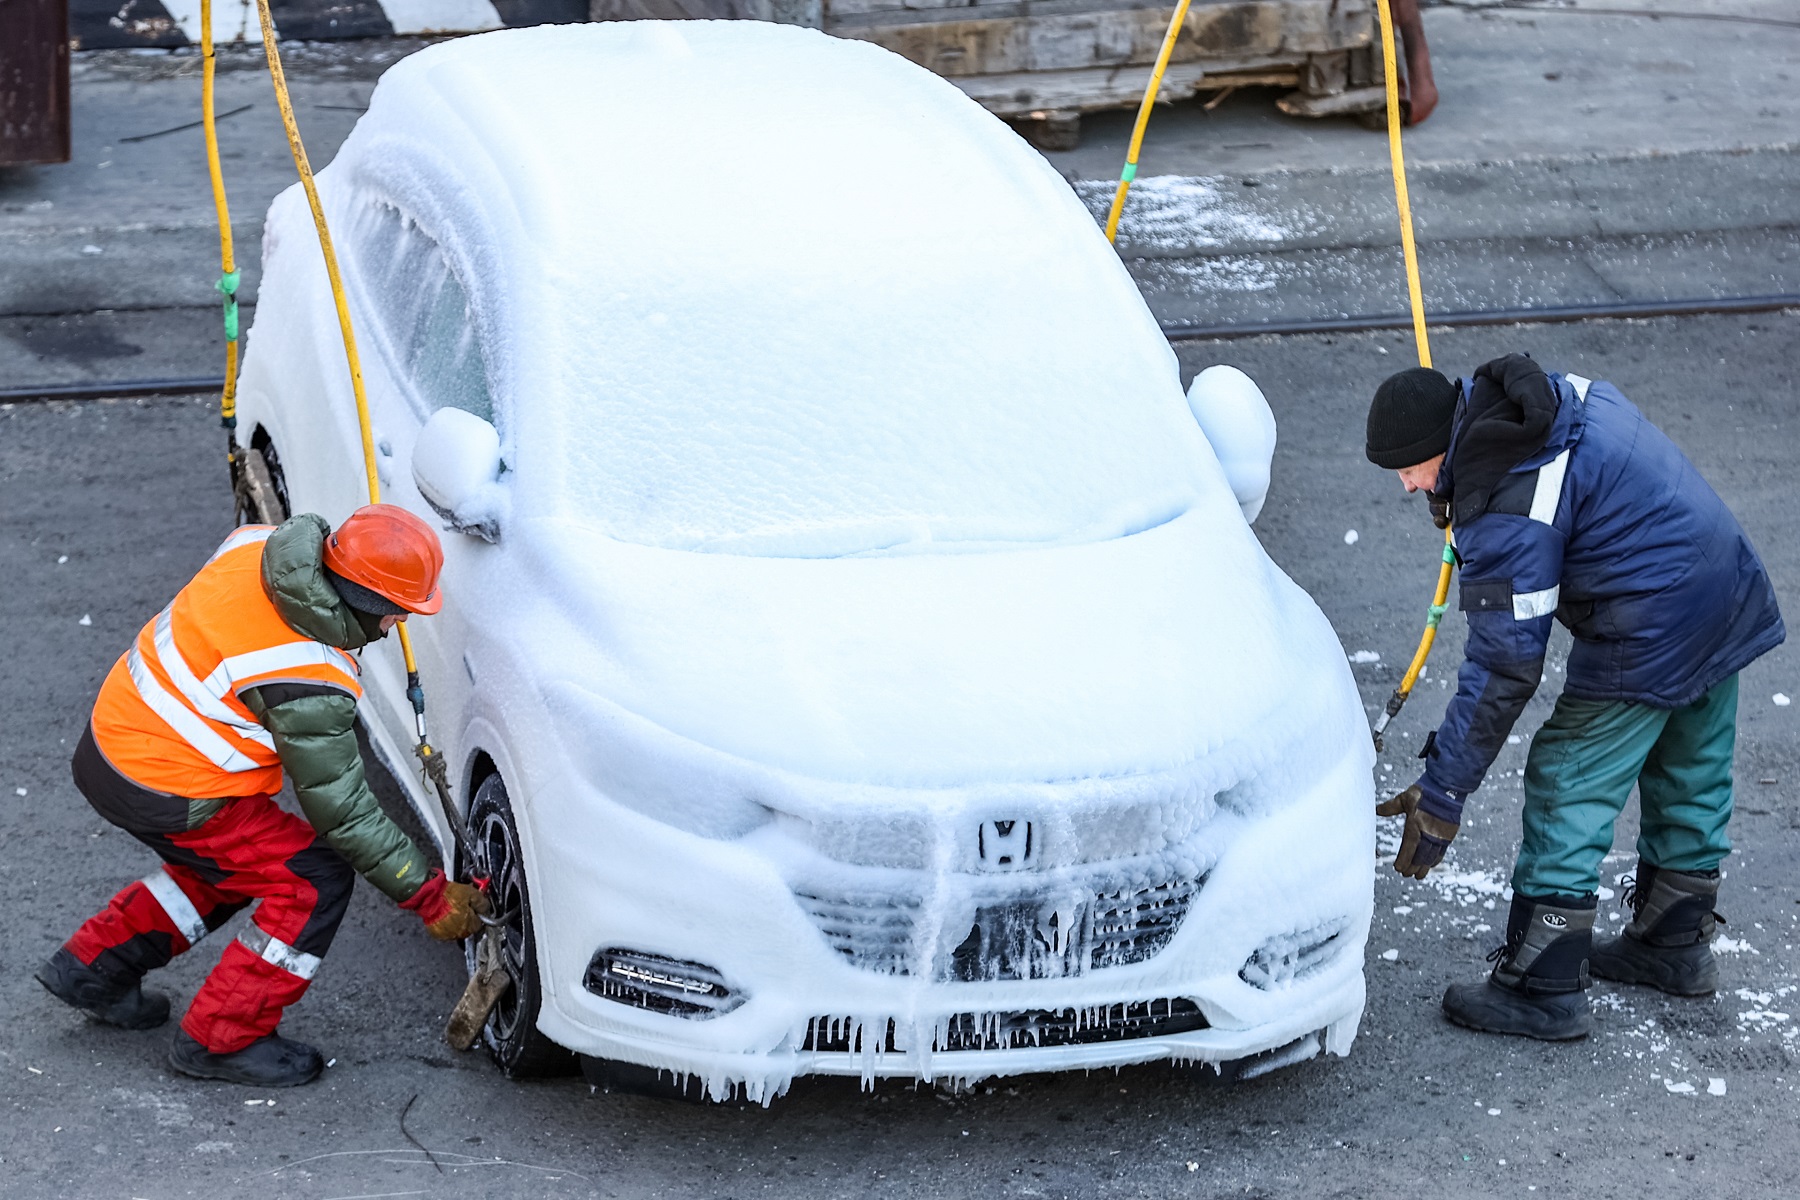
(807, 327)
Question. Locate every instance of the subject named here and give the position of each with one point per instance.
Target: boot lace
(1635, 897)
(1507, 949)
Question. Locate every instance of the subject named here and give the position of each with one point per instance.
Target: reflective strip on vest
(278, 953)
(181, 911)
(245, 536)
(184, 721)
(1528, 606)
(224, 679)
(203, 698)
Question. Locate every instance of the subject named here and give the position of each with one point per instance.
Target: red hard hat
(392, 553)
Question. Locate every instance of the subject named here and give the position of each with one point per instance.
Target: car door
(426, 354)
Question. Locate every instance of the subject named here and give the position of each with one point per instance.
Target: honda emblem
(1006, 845)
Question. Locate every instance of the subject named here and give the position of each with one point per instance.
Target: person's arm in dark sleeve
(1511, 572)
(314, 728)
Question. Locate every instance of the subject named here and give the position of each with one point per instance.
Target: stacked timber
(1051, 60)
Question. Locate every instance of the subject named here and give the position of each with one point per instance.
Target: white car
(856, 656)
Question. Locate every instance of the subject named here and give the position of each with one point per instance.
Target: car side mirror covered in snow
(456, 464)
(1241, 427)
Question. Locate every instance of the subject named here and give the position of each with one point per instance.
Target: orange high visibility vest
(168, 716)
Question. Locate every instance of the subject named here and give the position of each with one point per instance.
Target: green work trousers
(1580, 771)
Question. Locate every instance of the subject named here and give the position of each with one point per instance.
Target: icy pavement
(1416, 1099)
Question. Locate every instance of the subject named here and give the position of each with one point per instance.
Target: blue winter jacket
(1610, 530)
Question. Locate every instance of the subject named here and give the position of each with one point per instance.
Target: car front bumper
(604, 876)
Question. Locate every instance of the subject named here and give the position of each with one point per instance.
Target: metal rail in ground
(133, 388)
(1554, 314)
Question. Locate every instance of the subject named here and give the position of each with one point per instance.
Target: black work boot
(106, 998)
(271, 1061)
(1538, 988)
(1668, 943)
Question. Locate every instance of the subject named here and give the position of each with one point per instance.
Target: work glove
(1427, 835)
(451, 911)
(1440, 509)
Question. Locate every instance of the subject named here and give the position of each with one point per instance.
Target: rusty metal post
(34, 81)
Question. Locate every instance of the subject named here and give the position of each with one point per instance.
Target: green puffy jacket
(314, 726)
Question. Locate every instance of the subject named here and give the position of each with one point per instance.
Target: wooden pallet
(1042, 63)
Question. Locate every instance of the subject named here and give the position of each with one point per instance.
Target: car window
(422, 311)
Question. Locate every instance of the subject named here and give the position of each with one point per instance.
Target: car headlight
(644, 767)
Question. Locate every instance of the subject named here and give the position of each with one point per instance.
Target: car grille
(874, 932)
(1032, 937)
(1023, 1030)
(1290, 958)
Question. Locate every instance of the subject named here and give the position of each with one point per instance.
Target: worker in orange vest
(249, 672)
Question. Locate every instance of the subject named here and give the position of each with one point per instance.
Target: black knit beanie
(1409, 421)
(362, 599)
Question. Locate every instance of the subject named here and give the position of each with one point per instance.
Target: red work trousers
(249, 851)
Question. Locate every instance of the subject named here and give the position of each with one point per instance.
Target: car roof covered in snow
(751, 289)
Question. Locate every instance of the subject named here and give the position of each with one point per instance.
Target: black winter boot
(121, 1002)
(1538, 988)
(1668, 943)
(271, 1061)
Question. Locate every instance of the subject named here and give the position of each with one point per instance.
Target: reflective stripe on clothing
(1529, 606)
(1548, 492)
(176, 904)
(201, 697)
(278, 953)
(184, 721)
(170, 717)
(227, 676)
(250, 852)
(245, 535)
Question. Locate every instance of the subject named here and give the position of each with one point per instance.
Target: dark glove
(1427, 835)
(1440, 509)
(451, 911)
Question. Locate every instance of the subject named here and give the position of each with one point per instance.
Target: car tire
(261, 486)
(511, 1034)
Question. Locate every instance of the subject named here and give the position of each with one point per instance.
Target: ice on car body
(851, 510)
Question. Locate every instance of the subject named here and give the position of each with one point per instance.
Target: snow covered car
(855, 653)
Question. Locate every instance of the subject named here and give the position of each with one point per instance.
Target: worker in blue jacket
(1567, 504)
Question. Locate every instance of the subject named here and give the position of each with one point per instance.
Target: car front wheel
(511, 1034)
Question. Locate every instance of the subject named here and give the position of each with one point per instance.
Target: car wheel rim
(506, 889)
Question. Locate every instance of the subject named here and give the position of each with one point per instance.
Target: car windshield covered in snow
(767, 356)
(744, 453)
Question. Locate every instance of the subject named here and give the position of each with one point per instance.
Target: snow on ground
(1177, 212)
(1224, 273)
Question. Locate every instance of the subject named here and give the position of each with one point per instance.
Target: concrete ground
(110, 506)
(1660, 162)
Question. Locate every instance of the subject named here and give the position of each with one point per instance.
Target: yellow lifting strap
(227, 285)
(433, 763)
(1414, 293)
(1397, 160)
(1143, 120)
